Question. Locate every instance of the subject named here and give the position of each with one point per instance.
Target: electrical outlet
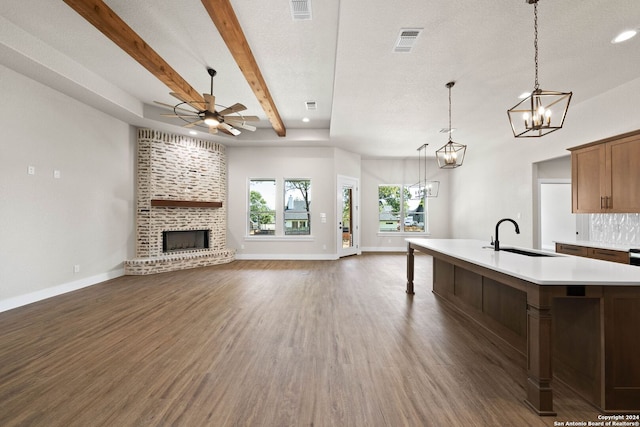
(31, 170)
(76, 268)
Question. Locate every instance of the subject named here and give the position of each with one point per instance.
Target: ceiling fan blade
(226, 128)
(233, 109)
(211, 102)
(193, 104)
(244, 118)
(243, 126)
(192, 124)
(182, 116)
(173, 107)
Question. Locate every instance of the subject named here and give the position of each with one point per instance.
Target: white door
(347, 216)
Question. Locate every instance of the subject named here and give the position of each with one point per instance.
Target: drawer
(609, 255)
(562, 248)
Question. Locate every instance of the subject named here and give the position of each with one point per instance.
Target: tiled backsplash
(620, 229)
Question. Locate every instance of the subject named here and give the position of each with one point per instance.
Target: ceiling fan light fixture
(542, 111)
(210, 119)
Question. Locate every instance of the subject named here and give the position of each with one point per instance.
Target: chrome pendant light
(450, 155)
(542, 111)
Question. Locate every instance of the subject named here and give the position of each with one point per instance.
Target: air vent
(406, 39)
(311, 105)
(300, 10)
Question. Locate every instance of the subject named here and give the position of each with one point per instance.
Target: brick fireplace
(181, 189)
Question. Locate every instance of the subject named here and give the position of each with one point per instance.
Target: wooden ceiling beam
(225, 19)
(111, 25)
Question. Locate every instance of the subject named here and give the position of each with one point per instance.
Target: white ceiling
(370, 100)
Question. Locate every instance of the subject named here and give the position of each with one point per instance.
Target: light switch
(56, 174)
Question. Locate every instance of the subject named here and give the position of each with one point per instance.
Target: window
(297, 213)
(262, 207)
(401, 208)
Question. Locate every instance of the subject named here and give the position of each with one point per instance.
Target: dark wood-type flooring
(262, 343)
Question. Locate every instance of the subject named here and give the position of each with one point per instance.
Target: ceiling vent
(406, 39)
(300, 10)
(311, 105)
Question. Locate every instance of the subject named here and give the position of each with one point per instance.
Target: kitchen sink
(527, 253)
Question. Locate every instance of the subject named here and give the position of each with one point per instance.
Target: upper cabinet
(605, 175)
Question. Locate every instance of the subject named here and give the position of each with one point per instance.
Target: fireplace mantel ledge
(185, 203)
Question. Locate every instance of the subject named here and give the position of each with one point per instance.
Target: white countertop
(556, 270)
(600, 245)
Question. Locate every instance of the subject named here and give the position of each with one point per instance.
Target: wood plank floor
(262, 343)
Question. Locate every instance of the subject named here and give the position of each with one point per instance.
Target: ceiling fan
(204, 114)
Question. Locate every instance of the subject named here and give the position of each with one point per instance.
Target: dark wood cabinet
(604, 177)
(595, 253)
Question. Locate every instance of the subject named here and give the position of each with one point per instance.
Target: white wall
(496, 180)
(316, 164)
(49, 225)
(387, 171)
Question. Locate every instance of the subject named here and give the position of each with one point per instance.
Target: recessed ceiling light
(193, 132)
(306, 119)
(624, 36)
(524, 95)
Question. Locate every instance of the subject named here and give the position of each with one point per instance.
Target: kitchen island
(575, 319)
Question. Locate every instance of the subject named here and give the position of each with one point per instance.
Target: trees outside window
(262, 207)
(401, 208)
(297, 209)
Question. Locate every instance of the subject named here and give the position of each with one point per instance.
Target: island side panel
(622, 349)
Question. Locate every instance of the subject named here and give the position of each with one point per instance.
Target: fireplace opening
(185, 240)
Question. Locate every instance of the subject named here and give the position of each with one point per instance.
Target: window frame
(288, 199)
(402, 213)
(273, 211)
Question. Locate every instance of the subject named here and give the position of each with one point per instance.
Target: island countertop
(558, 269)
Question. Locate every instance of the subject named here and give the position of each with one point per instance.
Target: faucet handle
(492, 242)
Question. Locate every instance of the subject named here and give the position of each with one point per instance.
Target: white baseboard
(385, 249)
(284, 257)
(19, 301)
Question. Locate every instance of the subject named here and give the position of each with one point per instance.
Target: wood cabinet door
(625, 175)
(589, 179)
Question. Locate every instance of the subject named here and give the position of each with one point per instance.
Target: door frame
(347, 181)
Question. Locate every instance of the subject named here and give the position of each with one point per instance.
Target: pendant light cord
(450, 84)
(535, 40)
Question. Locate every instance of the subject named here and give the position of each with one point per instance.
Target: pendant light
(450, 155)
(424, 188)
(542, 111)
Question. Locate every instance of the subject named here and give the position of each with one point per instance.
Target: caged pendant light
(424, 188)
(450, 155)
(543, 111)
